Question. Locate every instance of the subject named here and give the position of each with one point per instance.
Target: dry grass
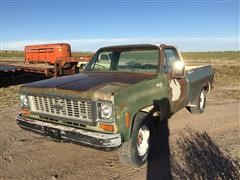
(227, 73)
(4, 53)
(212, 56)
(9, 96)
(9, 87)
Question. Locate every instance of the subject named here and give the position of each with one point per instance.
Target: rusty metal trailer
(49, 59)
(47, 53)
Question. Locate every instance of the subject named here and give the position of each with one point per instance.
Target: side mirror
(178, 70)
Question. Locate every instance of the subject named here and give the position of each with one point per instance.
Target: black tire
(129, 152)
(200, 103)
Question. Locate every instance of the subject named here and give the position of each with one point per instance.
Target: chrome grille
(80, 110)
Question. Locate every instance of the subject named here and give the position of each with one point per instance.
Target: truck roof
(132, 46)
(135, 46)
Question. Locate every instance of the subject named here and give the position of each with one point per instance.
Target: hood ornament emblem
(58, 104)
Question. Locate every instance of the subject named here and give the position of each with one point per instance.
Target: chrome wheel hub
(143, 140)
(201, 104)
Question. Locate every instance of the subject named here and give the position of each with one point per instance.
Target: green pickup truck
(110, 103)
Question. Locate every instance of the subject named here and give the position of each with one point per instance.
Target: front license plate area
(52, 132)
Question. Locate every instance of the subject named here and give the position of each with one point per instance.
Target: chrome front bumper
(95, 139)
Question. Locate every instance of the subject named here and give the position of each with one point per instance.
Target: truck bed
(197, 77)
(187, 68)
(198, 72)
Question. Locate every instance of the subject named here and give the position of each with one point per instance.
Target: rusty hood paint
(90, 80)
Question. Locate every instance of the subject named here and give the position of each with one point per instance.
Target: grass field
(4, 53)
(223, 55)
(207, 56)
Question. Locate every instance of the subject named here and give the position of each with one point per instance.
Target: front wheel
(200, 103)
(135, 151)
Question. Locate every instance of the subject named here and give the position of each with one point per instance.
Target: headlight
(105, 110)
(23, 100)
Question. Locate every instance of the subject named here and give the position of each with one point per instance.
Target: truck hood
(90, 81)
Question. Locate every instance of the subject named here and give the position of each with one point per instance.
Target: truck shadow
(159, 164)
(10, 79)
(201, 158)
(193, 156)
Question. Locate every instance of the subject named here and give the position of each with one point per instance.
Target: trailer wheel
(135, 151)
(75, 69)
(200, 103)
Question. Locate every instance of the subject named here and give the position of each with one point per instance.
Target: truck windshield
(136, 60)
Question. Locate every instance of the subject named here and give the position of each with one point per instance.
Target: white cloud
(183, 43)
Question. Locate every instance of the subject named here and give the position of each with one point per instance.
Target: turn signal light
(107, 127)
(127, 119)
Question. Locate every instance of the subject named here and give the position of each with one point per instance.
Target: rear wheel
(135, 151)
(200, 103)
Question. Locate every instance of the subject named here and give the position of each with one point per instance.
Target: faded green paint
(136, 97)
(125, 98)
(132, 98)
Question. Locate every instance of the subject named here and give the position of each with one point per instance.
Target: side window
(170, 57)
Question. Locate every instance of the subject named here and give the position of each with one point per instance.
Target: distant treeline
(5, 53)
(211, 55)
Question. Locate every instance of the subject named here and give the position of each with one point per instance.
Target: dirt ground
(188, 146)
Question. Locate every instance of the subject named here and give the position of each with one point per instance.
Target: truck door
(177, 88)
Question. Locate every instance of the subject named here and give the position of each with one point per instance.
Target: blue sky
(87, 25)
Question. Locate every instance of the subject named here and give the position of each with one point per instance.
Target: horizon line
(92, 44)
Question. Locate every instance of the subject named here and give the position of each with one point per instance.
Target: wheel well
(161, 106)
(134, 118)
